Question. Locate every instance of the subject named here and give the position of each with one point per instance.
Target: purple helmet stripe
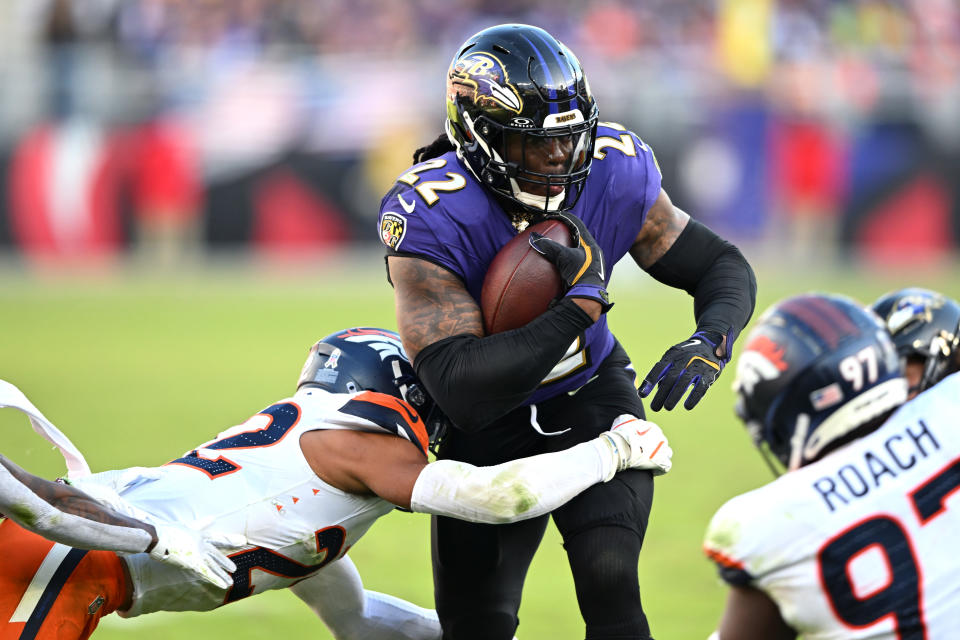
(561, 62)
(546, 68)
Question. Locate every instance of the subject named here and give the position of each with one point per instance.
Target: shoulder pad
(390, 415)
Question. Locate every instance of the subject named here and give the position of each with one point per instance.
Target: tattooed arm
(475, 378)
(65, 514)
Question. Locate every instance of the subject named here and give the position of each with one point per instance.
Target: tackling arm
(475, 378)
(395, 470)
(530, 487)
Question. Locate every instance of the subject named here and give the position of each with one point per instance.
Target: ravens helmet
(514, 89)
(925, 327)
(369, 359)
(814, 369)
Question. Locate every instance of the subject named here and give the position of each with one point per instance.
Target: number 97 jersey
(862, 543)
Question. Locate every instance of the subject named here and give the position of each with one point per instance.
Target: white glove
(195, 552)
(640, 444)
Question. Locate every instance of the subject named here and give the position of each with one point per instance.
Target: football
(520, 283)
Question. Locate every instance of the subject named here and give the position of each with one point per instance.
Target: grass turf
(137, 370)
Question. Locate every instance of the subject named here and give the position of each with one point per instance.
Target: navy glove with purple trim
(692, 363)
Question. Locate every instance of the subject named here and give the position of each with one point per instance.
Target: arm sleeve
(477, 380)
(515, 490)
(337, 596)
(716, 274)
(33, 513)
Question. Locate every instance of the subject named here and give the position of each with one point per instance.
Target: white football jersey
(860, 544)
(254, 480)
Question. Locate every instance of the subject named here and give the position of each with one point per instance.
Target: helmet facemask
(521, 117)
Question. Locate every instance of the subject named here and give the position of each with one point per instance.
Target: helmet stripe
(826, 321)
(564, 64)
(546, 68)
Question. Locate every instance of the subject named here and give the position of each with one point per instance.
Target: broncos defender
(522, 140)
(299, 483)
(850, 541)
(925, 326)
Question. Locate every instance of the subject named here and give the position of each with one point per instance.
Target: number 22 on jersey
(281, 418)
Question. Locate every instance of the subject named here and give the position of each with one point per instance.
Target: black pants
(479, 569)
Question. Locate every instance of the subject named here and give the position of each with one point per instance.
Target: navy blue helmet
(814, 368)
(517, 86)
(925, 326)
(369, 359)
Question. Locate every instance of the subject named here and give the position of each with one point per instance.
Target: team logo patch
(393, 227)
(483, 78)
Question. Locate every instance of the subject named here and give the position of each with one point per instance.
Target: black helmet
(813, 369)
(518, 85)
(369, 359)
(924, 325)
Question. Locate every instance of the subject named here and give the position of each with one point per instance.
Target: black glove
(691, 363)
(581, 266)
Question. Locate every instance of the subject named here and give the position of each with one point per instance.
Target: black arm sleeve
(716, 274)
(477, 380)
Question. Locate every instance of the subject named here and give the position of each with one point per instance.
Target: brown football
(520, 283)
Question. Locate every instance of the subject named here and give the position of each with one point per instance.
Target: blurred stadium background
(189, 190)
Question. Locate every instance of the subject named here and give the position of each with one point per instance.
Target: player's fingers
(667, 383)
(227, 540)
(700, 387)
(218, 576)
(223, 561)
(544, 245)
(653, 377)
(683, 382)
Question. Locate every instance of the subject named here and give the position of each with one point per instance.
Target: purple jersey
(439, 212)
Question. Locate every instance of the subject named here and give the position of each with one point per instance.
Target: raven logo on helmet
(483, 78)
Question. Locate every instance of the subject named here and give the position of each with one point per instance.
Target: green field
(137, 370)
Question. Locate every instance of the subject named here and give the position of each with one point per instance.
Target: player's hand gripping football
(194, 551)
(640, 444)
(581, 266)
(692, 363)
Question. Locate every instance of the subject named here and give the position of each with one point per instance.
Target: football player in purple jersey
(925, 326)
(522, 141)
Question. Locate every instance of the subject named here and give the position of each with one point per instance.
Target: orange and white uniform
(252, 480)
(860, 544)
(49, 590)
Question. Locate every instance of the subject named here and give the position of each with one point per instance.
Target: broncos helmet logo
(483, 78)
(761, 360)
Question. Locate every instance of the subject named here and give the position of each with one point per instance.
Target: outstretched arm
(69, 516)
(395, 470)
